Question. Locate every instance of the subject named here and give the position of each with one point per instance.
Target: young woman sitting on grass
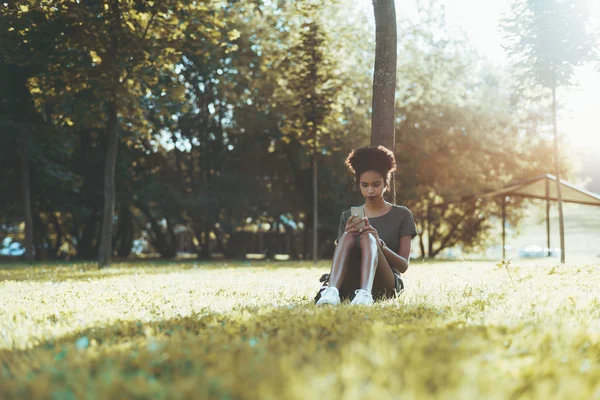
(368, 261)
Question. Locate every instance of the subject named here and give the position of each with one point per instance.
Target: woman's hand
(351, 224)
(371, 230)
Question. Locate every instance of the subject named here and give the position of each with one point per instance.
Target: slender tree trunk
(105, 250)
(205, 253)
(430, 229)
(26, 187)
(421, 244)
(315, 209)
(561, 222)
(38, 235)
(124, 237)
(306, 240)
(315, 147)
(162, 242)
(86, 249)
(172, 241)
(384, 80)
(127, 239)
(116, 241)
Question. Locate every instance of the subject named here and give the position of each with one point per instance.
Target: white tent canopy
(542, 187)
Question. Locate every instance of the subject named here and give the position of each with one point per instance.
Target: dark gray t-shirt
(398, 222)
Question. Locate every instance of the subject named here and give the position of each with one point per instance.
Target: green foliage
(549, 38)
(459, 135)
(221, 106)
(310, 89)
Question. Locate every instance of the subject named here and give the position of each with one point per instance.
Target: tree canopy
(218, 107)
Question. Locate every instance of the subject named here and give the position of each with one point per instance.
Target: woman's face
(372, 186)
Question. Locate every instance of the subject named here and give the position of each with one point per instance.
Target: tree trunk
(86, 249)
(561, 222)
(124, 235)
(430, 229)
(105, 250)
(384, 80)
(421, 244)
(201, 229)
(172, 239)
(204, 252)
(315, 210)
(37, 235)
(26, 187)
(306, 238)
(158, 239)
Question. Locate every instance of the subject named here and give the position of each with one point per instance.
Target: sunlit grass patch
(89, 270)
(252, 331)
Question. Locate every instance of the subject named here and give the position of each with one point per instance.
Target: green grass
(251, 331)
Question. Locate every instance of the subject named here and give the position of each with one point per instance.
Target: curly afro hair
(373, 158)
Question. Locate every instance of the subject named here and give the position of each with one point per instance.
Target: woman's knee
(346, 239)
(368, 239)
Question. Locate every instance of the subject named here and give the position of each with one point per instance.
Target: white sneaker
(363, 298)
(330, 295)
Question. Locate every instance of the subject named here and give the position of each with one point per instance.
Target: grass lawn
(251, 331)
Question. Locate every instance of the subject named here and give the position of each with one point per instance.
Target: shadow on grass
(247, 353)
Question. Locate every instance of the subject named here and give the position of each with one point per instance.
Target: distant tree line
(211, 114)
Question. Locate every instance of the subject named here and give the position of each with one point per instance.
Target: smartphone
(360, 213)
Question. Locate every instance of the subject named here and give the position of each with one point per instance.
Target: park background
(211, 115)
(222, 108)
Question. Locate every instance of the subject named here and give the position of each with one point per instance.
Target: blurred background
(219, 107)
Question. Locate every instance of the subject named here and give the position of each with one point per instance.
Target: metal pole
(548, 216)
(503, 228)
(559, 202)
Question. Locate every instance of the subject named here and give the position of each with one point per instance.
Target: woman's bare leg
(368, 261)
(348, 275)
(339, 266)
(384, 283)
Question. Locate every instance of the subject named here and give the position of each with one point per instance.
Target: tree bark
(429, 231)
(158, 239)
(205, 252)
(124, 235)
(38, 235)
(561, 222)
(384, 80)
(201, 228)
(105, 250)
(59, 233)
(26, 187)
(447, 240)
(421, 244)
(315, 149)
(87, 244)
(315, 209)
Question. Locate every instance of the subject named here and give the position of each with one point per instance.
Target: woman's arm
(399, 261)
